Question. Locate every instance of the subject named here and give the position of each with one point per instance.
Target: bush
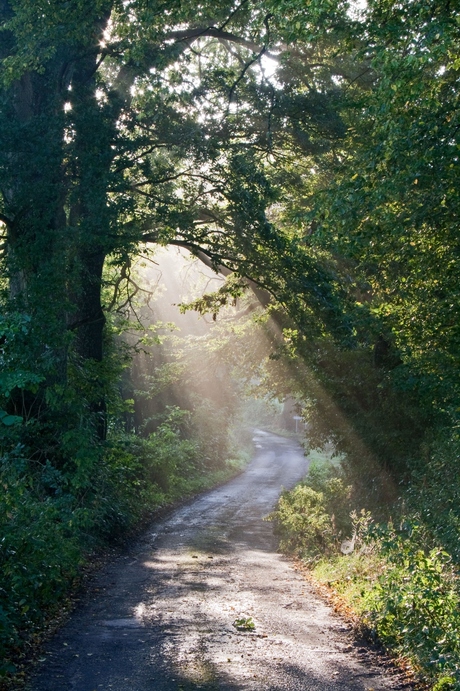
(314, 517)
(433, 495)
(39, 557)
(415, 605)
(403, 584)
(210, 427)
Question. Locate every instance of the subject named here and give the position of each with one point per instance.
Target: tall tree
(393, 205)
(144, 122)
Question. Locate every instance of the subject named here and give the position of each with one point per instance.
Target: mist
(204, 369)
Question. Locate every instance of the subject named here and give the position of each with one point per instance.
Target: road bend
(162, 617)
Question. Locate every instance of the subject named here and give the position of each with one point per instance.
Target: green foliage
(229, 293)
(17, 350)
(391, 209)
(52, 518)
(212, 426)
(433, 494)
(40, 552)
(9, 420)
(416, 602)
(244, 624)
(352, 576)
(365, 410)
(445, 684)
(38, 33)
(165, 456)
(400, 576)
(312, 518)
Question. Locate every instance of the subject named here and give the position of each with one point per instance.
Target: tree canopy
(144, 123)
(313, 152)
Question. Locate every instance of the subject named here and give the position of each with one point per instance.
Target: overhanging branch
(218, 264)
(212, 32)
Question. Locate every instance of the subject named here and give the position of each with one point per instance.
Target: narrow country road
(162, 618)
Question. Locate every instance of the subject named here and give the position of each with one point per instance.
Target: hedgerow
(401, 577)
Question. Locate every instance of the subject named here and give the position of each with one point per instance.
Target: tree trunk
(55, 261)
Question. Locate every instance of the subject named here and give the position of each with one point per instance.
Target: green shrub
(433, 494)
(415, 605)
(445, 684)
(39, 557)
(402, 580)
(210, 427)
(314, 517)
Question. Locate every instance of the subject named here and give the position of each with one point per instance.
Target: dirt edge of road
(363, 638)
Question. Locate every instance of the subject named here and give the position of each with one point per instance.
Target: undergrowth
(400, 576)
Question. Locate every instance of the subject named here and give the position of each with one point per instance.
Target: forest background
(308, 152)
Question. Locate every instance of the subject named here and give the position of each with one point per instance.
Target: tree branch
(212, 32)
(230, 17)
(243, 72)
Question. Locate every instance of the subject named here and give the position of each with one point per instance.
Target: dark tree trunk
(32, 186)
(90, 221)
(88, 324)
(89, 317)
(55, 262)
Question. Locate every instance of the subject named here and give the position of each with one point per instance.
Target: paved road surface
(161, 618)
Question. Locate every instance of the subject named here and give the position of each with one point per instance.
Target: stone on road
(162, 618)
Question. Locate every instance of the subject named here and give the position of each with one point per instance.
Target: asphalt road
(162, 617)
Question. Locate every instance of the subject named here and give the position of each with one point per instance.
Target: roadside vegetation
(173, 430)
(395, 566)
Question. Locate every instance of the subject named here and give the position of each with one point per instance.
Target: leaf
(9, 420)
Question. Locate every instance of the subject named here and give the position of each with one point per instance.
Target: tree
(132, 122)
(381, 204)
(392, 208)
